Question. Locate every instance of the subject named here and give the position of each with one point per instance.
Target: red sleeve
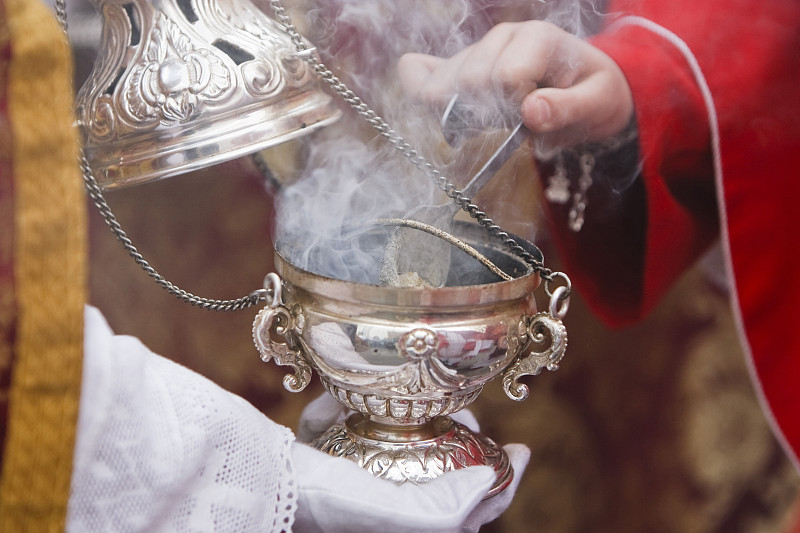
(631, 250)
(636, 242)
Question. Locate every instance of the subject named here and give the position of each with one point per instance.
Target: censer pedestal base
(415, 453)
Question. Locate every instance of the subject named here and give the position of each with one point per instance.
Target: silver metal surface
(401, 357)
(184, 84)
(96, 194)
(441, 445)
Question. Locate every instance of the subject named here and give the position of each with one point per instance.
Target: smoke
(352, 176)
(579, 17)
(350, 184)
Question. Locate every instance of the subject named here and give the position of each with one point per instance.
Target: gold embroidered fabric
(49, 250)
(7, 301)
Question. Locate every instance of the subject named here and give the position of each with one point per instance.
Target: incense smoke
(352, 176)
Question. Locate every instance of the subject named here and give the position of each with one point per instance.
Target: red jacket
(627, 255)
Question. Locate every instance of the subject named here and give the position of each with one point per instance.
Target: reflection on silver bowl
(405, 358)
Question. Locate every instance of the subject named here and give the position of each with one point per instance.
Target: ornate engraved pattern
(544, 330)
(178, 85)
(104, 122)
(425, 372)
(95, 106)
(419, 343)
(262, 78)
(401, 409)
(276, 63)
(422, 376)
(421, 461)
(517, 336)
(174, 79)
(281, 322)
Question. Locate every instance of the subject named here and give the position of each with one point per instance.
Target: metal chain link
(401, 144)
(95, 193)
(558, 183)
(60, 7)
(258, 295)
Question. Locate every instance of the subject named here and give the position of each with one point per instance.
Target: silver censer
(403, 359)
(185, 84)
(180, 85)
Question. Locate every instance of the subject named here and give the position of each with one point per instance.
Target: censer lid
(180, 85)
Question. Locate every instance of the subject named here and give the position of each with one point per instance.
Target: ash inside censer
(360, 256)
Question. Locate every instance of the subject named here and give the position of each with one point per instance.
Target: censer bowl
(403, 359)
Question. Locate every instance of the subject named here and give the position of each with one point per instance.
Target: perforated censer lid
(184, 84)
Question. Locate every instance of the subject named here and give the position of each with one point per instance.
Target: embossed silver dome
(184, 84)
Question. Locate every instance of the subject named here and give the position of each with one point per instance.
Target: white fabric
(337, 496)
(162, 449)
(488, 510)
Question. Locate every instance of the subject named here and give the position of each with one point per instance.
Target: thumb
(598, 106)
(491, 508)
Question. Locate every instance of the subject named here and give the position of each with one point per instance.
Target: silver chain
(464, 202)
(259, 295)
(577, 213)
(96, 195)
(61, 13)
(558, 184)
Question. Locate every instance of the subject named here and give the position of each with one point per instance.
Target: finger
(470, 71)
(536, 54)
(318, 416)
(491, 508)
(595, 107)
(476, 72)
(511, 60)
(519, 455)
(442, 82)
(414, 71)
(429, 78)
(466, 417)
(527, 61)
(333, 490)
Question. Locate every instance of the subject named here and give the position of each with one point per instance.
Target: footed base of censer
(415, 453)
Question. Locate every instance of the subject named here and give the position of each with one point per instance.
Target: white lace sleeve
(162, 449)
